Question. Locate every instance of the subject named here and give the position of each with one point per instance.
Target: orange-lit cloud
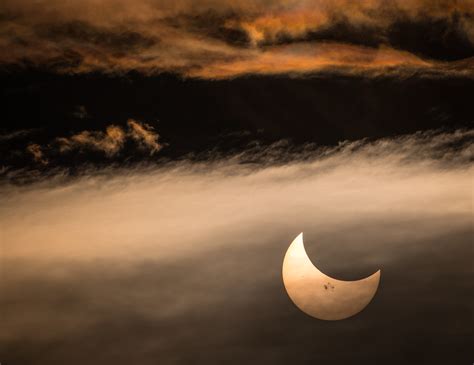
(308, 58)
(113, 139)
(109, 142)
(145, 136)
(296, 18)
(216, 39)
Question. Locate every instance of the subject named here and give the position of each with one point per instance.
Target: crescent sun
(319, 295)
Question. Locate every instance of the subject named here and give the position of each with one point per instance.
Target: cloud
(356, 175)
(80, 112)
(6, 137)
(183, 261)
(37, 153)
(112, 141)
(225, 39)
(144, 135)
(305, 58)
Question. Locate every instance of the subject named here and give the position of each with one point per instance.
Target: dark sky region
(157, 159)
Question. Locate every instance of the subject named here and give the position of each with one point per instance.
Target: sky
(157, 159)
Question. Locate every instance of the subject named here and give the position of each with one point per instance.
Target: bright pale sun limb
(319, 295)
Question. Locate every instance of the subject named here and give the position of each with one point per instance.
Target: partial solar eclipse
(319, 295)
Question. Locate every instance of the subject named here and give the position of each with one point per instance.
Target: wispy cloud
(15, 135)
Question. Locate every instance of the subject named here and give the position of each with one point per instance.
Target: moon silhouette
(319, 295)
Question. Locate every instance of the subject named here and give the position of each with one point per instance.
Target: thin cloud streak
(307, 58)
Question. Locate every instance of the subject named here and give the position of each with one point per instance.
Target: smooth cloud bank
(189, 208)
(176, 262)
